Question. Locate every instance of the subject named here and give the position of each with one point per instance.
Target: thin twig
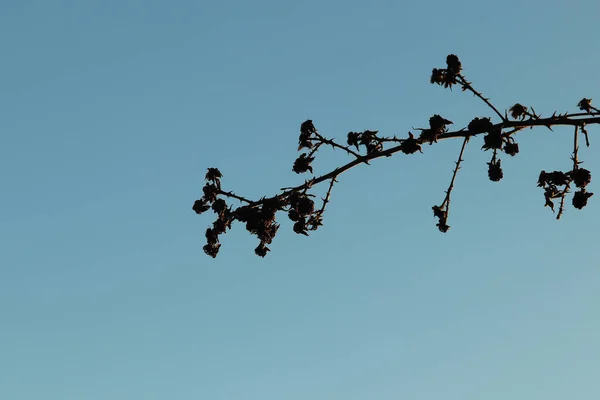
(576, 163)
(585, 133)
(332, 143)
(235, 196)
(561, 209)
(512, 132)
(583, 114)
(467, 85)
(446, 202)
(575, 148)
(327, 196)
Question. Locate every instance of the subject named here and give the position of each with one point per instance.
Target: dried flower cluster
(260, 216)
(557, 184)
(447, 76)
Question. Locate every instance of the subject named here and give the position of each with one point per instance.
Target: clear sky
(111, 111)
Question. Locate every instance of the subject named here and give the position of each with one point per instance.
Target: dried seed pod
(210, 192)
(261, 250)
(300, 227)
(453, 63)
(213, 174)
(410, 145)
(212, 250)
(493, 140)
(480, 125)
(518, 111)
(580, 198)
(219, 206)
(581, 177)
(585, 105)
(558, 178)
(200, 206)
(511, 148)
(437, 76)
(305, 206)
(302, 164)
(495, 171)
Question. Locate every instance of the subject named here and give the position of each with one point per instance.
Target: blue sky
(113, 110)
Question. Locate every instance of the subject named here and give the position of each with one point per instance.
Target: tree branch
(259, 216)
(467, 86)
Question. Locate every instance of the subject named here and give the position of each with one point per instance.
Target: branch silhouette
(260, 215)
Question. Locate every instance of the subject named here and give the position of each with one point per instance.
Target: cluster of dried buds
(302, 213)
(496, 140)
(447, 76)
(556, 185)
(441, 213)
(302, 163)
(369, 139)
(586, 105)
(260, 216)
(208, 201)
(437, 127)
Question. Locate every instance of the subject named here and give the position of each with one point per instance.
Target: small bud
(495, 171)
(302, 164)
(261, 250)
(581, 177)
(210, 192)
(200, 206)
(307, 128)
(437, 76)
(305, 206)
(212, 250)
(454, 64)
(300, 227)
(518, 111)
(585, 105)
(580, 199)
(511, 148)
(410, 145)
(213, 174)
(480, 125)
(493, 140)
(219, 206)
(353, 138)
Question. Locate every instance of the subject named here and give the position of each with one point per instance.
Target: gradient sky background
(111, 113)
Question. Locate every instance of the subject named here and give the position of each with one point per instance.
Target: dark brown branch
(552, 121)
(456, 134)
(449, 135)
(463, 133)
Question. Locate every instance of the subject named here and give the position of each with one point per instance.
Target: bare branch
(467, 86)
